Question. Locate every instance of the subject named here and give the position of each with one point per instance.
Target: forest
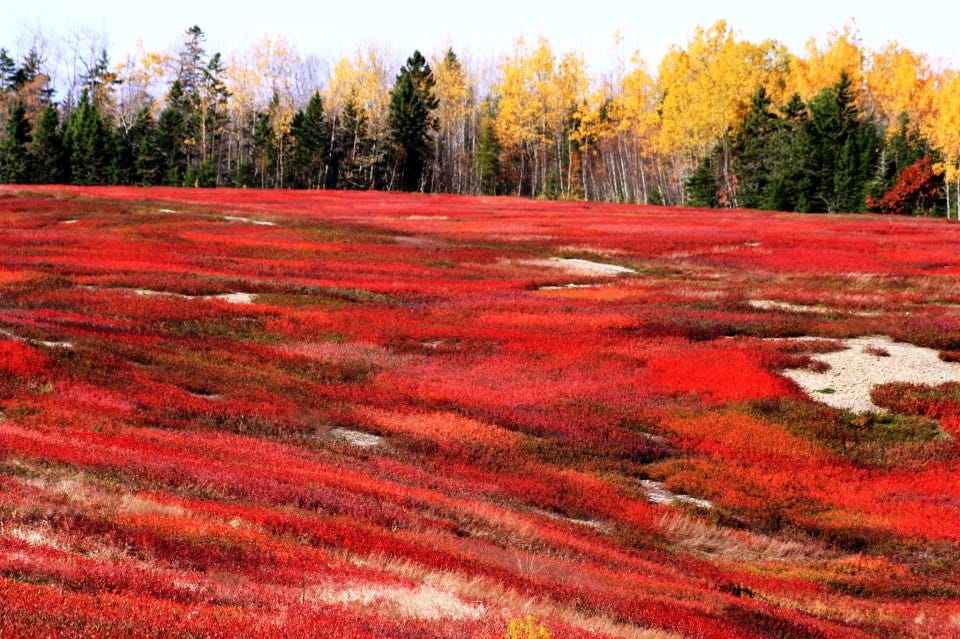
(721, 122)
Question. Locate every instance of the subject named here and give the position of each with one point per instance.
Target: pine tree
(702, 186)
(309, 154)
(14, 156)
(353, 149)
(86, 144)
(791, 185)
(755, 153)
(845, 147)
(8, 71)
(411, 121)
(47, 152)
(486, 157)
(167, 148)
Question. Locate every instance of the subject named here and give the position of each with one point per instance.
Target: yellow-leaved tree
(899, 83)
(705, 91)
(456, 108)
(821, 68)
(537, 98)
(943, 130)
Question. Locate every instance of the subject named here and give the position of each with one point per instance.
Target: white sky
(482, 29)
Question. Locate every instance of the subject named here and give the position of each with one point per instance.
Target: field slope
(260, 414)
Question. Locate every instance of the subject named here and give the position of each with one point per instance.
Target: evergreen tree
(702, 186)
(353, 149)
(845, 148)
(486, 157)
(166, 150)
(216, 118)
(47, 153)
(8, 71)
(411, 121)
(755, 153)
(86, 144)
(309, 154)
(791, 185)
(14, 156)
(141, 139)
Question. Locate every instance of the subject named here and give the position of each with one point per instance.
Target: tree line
(725, 122)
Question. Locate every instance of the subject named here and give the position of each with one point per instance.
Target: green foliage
(14, 157)
(825, 156)
(755, 152)
(47, 153)
(354, 154)
(486, 156)
(702, 186)
(86, 143)
(310, 152)
(411, 121)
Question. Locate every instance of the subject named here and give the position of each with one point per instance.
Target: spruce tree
(353, 148)
(309, 154)
(486, 157)
(47, 152)
(166, 148)
(845, 148)
(702, 186)
(791, 184)
(411, 121)
(14, 156)
(754, 148)
(85, 140)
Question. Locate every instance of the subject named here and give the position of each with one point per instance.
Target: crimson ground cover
(415, 424)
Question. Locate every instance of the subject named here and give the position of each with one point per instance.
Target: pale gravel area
(576, 266)
(418, 602)
(566, 286)
(233, 298)
(777, 305)
(357, 438)
(234, 218)
(35, 342)
(657, 494)
(854, 371)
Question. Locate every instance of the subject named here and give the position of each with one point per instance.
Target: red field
(399, 432)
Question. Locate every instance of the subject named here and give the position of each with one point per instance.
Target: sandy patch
(563, 287)
(576, 266)
(776, 305)
(69, 221)
(357, 438)
(589, 523)
(657, 494)
(855, 370)
(247, 220)
(34, 536)
(233, 298)
(35, 342)
(420, 602)
(167, 211)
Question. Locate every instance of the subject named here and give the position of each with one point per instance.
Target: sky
(481, 30)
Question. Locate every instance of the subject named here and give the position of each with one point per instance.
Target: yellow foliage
(822, 67)
(943, 128)
(537, 95)
(527, 628)
(706, 87)
(452, 90)
(364, 76)
(899, 81)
